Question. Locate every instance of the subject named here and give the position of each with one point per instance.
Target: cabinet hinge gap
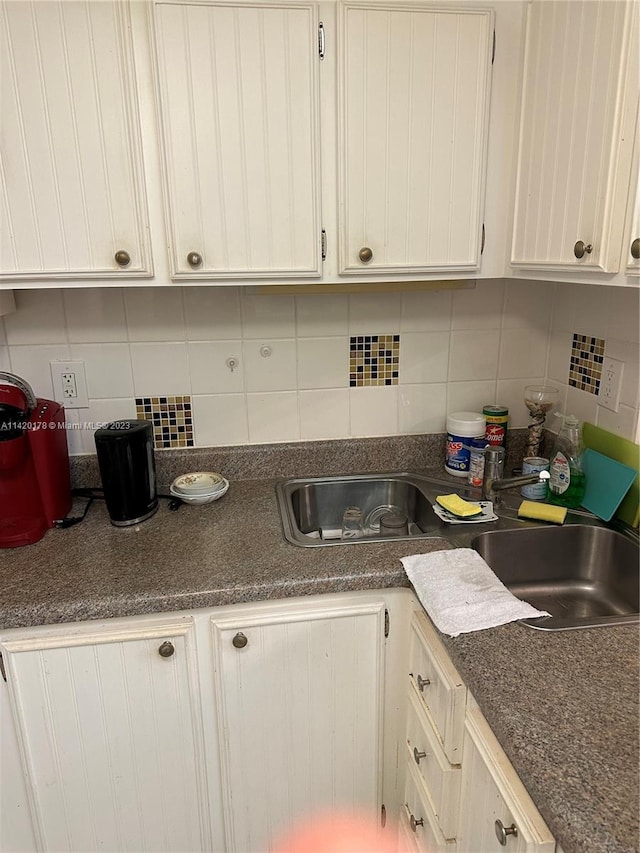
(323, 244)
(386, 623)
(482, 241)
(2, 669)
(383, 816)
(493, 49)
(321, 40)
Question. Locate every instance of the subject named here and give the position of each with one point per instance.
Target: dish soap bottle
(567, 480)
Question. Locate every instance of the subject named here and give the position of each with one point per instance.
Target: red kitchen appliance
(35, 487)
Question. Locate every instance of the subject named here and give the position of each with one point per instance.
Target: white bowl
(199, 483)
(198, 500)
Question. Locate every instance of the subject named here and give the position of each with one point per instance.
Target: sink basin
(584, 575)
(312, 509)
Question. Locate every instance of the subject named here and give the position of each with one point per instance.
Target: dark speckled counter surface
(563, 705)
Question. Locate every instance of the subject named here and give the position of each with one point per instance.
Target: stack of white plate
(199, 487)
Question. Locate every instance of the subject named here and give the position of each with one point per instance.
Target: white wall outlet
(69, 384)
(610, 384)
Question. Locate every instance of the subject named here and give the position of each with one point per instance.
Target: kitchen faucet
(494, 482)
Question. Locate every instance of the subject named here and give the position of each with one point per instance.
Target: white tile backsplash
(323, 363)
(324, 414)
(160, 369)
(208, 367)
(458, 351)
(95, 315)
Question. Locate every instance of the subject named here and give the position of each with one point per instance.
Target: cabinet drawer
(441, 778)
(495, 800)
(418, 818)
(439, 688)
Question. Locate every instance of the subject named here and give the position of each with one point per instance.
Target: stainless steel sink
(312, 509)
(584, 575)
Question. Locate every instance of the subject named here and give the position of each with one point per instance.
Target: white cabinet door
(238, 100)
(494, 800)
(299, 691)
(580, 97)
(108, 729)
(414, 86)
(72, 196)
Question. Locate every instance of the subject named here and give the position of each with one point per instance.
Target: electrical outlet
(610, 384)
(70, 384)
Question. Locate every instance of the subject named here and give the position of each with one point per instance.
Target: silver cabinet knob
(122, 258)
(365, 254)
(635, 249)
(503, 832)
(194, 259)
(415, 823)
(581, 249)
(166, 650)
(418, 755)
(240, 640)
(422, 683)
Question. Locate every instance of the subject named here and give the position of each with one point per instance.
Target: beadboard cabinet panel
(109, 733)
(300, 708)
(580, 99)
(70, 158)
(238, 100)
(414, 86)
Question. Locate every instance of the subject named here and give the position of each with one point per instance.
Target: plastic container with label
(462, 427)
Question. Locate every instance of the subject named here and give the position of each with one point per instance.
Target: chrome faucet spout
(492, 487)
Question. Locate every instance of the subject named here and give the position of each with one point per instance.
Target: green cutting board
(622, 450)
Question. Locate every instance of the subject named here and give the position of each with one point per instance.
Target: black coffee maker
(128, 470)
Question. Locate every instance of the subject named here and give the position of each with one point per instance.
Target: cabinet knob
(240, 640)
(418, 755)
(503, 832)
(422, 683)
(635, 249)
(581, 249)
(415, 823)
(166, 650)
(122, 258)
(194, 259)
(365, 254)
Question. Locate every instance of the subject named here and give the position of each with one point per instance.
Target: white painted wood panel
(238, 101)
(491, 791)
(574, 154)
(70, 158)
(300, 718)
(414, 85)
(109, 733)
(424, 827)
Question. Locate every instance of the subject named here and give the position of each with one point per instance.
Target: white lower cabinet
(108, 728)
(300, 700)
(230, 728)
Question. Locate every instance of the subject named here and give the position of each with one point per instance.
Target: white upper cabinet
(414, 85)
(72, 202)
(580, 98)
(238, 101)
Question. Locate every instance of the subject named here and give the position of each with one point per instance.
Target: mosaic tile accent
(374, 360)
(585, 368)
(171, 417)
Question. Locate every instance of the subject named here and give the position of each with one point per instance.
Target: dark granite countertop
(563, 705)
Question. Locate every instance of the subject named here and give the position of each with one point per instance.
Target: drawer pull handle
(166, 650)
(422, 683)
(418, 755)
(240, 640)
(503, 832)
(635, 249)
(365, 254)
(122, 258)
(415, 823)
(581, 249)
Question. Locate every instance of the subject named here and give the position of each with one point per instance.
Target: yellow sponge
(542, 512)
(458, 506)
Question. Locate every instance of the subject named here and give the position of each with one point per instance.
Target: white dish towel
(460, 592)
